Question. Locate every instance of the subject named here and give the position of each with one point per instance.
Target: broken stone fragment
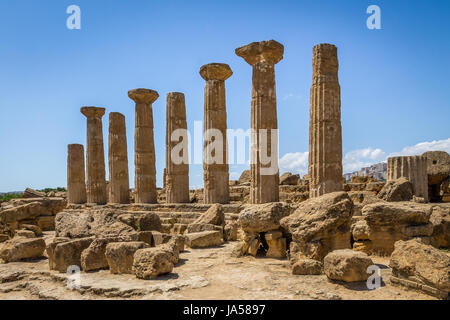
(20, 248)
(347, 265)
(151, 262)
(120, 256)
(204, 239)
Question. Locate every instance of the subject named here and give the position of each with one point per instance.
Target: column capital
(93, 112)
(264, 51)
(216, 71)
(141, 95)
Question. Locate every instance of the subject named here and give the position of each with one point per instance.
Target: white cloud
(294, 162)
(418, 149)
(357, 159)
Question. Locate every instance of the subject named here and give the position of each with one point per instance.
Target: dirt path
(201, 274)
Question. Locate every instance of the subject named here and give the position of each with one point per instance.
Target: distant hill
(378, 171)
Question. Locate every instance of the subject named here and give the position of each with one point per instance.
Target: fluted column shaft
(144, 146)
(215, 157)
(263, 56)
(177, 166)
(95, 156)
(76, 185)
(119, 185)
(325, 132)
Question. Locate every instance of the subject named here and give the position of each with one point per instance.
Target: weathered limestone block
(177, 158)
(95, 155)
(413, 168)
(397, 190)
(289, 179)
(120, 256)
(119, 186)
(276, 243)
(68, 253)
(245, 178)
(440, 219)
(214, 215)
(204, 239)
(76, 185)
(307, 267)
(361, 179)
(263, 217)
(151, 262)
(438, 172)
(199, 227)
(215, 162)
(325, 132)
(20, 248)
(35, 229)
(30, 193)
(347, 265)
(320, 225)
(149, 222)
(144, 146)
(230, 231)
(50, 250)
(25, 234)
(422, 267)
(384, 223)
(263, 56)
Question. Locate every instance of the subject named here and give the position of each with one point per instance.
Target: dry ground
(201, 274)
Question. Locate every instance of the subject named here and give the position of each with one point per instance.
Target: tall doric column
(413, 168)
(177, 158)
(263, 56)
(144, 146)
(119, 185)
(325, 132)
(215, 160)
(76, 185)
(95, 155)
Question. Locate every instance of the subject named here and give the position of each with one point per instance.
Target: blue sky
(394, 81)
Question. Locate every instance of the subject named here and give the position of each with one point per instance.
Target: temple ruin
(318, 223)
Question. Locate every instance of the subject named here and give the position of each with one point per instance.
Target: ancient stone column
(215, 160)
(263, 56)
(177, 158)
(144, 146)
(413, 168)
(119, 185)
(95, 155)
(76, 185)
(325, 132)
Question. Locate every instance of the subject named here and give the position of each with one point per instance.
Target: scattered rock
(384, 223)
(149, 222)
(245, 177)
(68, 253)
(151, 262)
(397, 190)
(276, 243)
(25, 234)
(20, 248)
(289, 179)
(320, 225)
(307, 267)
(120, 256)
(204, 239)
(263, 217)
(214, 215)
(422, 267)
(347, 265)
